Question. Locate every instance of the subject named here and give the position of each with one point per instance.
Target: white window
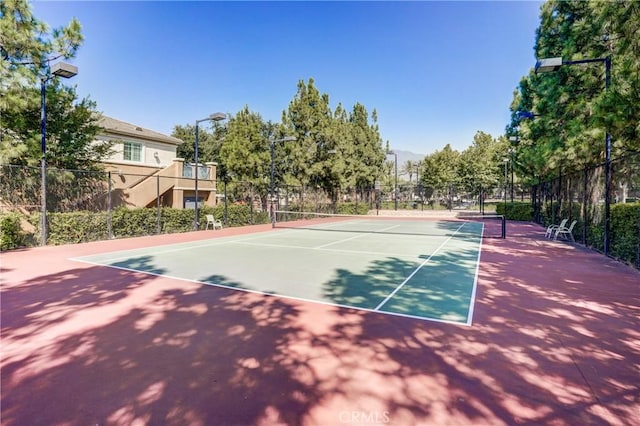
(132, 151)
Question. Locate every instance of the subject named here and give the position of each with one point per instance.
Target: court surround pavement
(555, 340)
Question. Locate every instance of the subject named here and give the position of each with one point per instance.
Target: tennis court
(424, 269)
(553, 340)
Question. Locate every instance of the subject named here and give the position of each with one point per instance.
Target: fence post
(584, 207)
(251, 203)
(109, 225)
(226, 211)
(638, 252)
(286, 200)
(534, 202)
(158, 214)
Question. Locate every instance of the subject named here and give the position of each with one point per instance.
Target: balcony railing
(188, 171)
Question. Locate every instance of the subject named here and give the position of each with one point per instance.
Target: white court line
(408, 256)
(156, 250)
(264, 293)
(472, 300)
(357, 236)
(416, 270)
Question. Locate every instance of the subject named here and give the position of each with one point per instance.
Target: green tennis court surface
(422, 269)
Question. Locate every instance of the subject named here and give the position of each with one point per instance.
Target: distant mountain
(403, 157)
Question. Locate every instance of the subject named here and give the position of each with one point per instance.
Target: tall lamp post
(554, 64)
(59, 69)
(272, 145)
(505, 161)
(514, 140)
(395, 185)
(217, 116)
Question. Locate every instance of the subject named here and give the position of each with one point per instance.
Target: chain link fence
(90, 205)
(580, 196)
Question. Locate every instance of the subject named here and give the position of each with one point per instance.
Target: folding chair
(213, 222)
(565, 232)
(551, 229)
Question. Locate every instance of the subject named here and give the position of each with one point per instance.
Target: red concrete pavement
(555, 340)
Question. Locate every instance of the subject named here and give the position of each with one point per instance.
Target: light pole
(419, 185)
(395, 185)
(511, 151)
(514, 140)
(505, 161)
(218, 116)
(59, 69)
(272, 144)
(554, 64)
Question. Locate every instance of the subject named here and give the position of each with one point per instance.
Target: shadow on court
(554, 341)
(440, 290)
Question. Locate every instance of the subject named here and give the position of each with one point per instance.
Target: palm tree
(408, 168)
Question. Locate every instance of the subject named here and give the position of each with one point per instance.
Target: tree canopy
(333, 150)
(572, 109)
(28, 47)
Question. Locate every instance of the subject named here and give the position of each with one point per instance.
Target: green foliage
(625, 232)
(134, 222)
(352, 208)
(308, 118)
(625, 228)
(76, 227)
(209, 142)
(332, 150)
(245, 151)
(84, 226)
(481, 164)
(522, 211)
(573, 108)
(174, 220)
(28, 47)
(11, 235)
(238, 214)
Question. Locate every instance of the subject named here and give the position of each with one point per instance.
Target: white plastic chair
(565, 232)
(213, 222)
(551, 229)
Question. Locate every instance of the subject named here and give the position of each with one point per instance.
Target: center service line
(416, 270)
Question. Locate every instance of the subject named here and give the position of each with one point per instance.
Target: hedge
(625, 232)
(84, 226)
(11, 235)
(78, 227)
(516, 211)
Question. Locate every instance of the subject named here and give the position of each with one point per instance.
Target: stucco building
(145, 170)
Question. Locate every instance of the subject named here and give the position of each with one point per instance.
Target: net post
(503, 219)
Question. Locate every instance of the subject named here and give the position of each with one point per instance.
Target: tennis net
(488, 226)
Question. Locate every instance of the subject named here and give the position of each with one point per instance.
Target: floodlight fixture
(548, 64)
(526, 114)
(62, 69)
(217, 116)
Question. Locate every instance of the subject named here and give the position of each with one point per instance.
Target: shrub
(625, 232)
(352, 208)
(134, 222)
(11, 235)
(516, 211)
(76, 227)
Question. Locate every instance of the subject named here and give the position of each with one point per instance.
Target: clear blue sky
(436, 72)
